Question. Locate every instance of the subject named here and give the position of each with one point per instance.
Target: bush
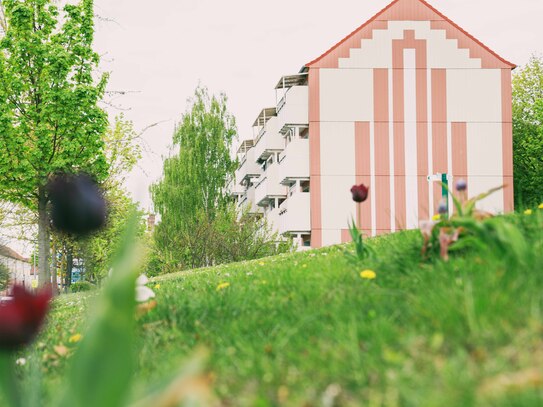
(81, 286)
(4, 276)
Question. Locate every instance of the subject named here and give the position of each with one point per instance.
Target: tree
(193, 188)
(122, 152)
(200, 225)
(528, 133)
(49, 118)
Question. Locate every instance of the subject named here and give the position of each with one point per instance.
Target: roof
(265, 115)
(289, 81)
(10, 253)
(245, 146)
(415, 10)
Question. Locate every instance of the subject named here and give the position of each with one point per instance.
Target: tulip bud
(360, 193)
(78, 204)
(461, 185)
(443, 208)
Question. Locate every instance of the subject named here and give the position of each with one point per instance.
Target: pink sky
(161, 50)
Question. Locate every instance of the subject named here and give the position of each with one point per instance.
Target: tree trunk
(69, 268)
(44, 244)
(54, 271)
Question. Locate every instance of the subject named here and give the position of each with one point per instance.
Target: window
(304, 186)
(304, 133)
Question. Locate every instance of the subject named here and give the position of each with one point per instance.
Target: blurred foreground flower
(143, 293)
(368, 274)
(461, 185)
(528, 212)
(75, 338)
(360, 193)
(540, 206)
(22, 317)
(78, 204)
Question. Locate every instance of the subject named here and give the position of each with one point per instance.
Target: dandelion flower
(261, 263)
(157, 286)
(75, 338)
(436, 217)
(222, 286)
(540, 206)
(528, 212)
(368, 274)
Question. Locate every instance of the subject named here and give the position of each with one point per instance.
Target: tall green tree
(528, 133)
(50, 120)
(193, 188)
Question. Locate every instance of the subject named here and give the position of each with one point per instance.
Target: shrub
(4, 276)
(81, 286)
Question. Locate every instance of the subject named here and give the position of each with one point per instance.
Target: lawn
(305, 329)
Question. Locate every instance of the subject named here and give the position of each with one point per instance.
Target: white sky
(161, 50)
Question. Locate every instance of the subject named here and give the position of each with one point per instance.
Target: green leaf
(102, 367)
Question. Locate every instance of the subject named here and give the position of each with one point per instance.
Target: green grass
(305, 328)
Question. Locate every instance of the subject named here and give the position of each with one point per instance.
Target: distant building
(21, 271)
(407, 95)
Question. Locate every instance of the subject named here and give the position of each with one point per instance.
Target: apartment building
(406, 98)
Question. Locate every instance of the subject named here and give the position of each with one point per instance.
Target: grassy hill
(306, 329)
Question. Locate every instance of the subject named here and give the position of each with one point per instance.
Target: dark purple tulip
(78, 204)
(360, 193)
(22, 317)
(461, 185)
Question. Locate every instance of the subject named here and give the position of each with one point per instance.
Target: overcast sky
(159, 51)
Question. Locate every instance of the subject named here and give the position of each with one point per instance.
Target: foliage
(228, 237)
(300, 328)
(81, 286)
(198, 226)
(105, 353)
(528, 133)
(49, 116)
(122, 152)
(4, 276)
(362, 251)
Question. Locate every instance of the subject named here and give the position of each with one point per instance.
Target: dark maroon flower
(360, 193)
(78, 205)
(22, 317)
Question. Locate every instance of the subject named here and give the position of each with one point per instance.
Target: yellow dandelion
(157, 286)
(528, 212)
(540, 206)
(437, 216)
(222, 286)
(368, 274)
(261, 263)
(75, 338)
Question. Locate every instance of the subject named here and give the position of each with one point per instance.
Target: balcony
(293, 108)
(272, 218)
(248, 200)
(269, 187)
(248, 167)
(269, 140)
(295, 214)
(294, 162)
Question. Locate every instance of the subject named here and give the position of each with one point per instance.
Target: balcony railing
(269, 186)
(294, 162)
(248, 167)
(293, 108)
(295, 214)
(269, 140)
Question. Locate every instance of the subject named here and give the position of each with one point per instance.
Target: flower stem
(8, 382)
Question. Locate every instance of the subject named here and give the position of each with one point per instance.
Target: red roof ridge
(372, 19)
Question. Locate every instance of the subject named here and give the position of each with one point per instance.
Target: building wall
(403, 100)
